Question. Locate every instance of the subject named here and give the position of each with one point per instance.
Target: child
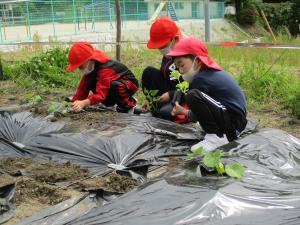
(214, 97)
(164, 34)
(110, 81)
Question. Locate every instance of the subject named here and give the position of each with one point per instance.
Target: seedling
(35, 99)
(182, 86)
(213, 160)
(56, 107)
(152, 98)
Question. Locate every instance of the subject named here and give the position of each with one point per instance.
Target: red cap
(162, 31)
(81, 52)
(193, 46)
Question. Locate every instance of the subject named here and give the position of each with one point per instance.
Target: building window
(179, 5)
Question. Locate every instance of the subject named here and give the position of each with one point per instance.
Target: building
(188, 9)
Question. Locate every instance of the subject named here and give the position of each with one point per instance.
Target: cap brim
(72, 68)
(177, 53)
(157, 44)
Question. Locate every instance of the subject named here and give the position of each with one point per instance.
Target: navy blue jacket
(222, 87)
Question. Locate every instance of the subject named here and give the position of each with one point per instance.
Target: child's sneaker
(210, 142)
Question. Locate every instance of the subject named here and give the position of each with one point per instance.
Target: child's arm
(82, 92)
(106, 76)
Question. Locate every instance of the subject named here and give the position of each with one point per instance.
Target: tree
(295, 18)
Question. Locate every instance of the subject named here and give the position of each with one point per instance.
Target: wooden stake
(268, 25)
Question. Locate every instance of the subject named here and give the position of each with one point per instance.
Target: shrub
(47, 69)
(247, 16)
(278, 15)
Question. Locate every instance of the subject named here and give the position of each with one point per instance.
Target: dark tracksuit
(159, 79)
(111, 83)
(218, 103)
(155, 79)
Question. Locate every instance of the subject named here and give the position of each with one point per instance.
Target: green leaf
(212, 159)
(175, 74)
(37, 99)
(220, 168)
(54, 107)
(236, 170)
(199, 151)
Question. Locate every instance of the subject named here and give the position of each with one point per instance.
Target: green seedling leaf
(29, 95)
(55, 107)
(212, 159)
(37, 99)
(66, 104)
(176, 74)
(220, 168)
(235, 170)
(153, 93)
(197, 152)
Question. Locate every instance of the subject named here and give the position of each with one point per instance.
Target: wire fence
(22, 20)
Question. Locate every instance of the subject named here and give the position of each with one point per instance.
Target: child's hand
(164, 98)
(145, 106)
(179, 110)
(79, 105)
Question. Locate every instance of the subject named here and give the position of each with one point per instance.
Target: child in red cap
(164, 34)
(214, 97)
(110, 81)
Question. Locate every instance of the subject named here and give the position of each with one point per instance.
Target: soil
(270, 116)
(111, 183)
(43, 184)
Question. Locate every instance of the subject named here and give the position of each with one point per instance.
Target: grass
(266, 75)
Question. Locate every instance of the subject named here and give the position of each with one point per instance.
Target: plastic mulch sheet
(133, 146)
(269, 193)
(7, 202)
(69, 210)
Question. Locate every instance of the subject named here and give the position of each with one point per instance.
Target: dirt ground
(11, 95)
(43, 184)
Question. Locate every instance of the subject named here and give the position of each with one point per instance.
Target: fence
(21, 20)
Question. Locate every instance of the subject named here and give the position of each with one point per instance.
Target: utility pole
(118, 39)
(207, 20)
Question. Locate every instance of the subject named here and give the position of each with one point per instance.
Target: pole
(93, 23)
(167, 8)
(118, 46)
(1, 37)
(4, 28)
(28, 19)
(207, 20)
(268, 25)
(1, 71)
(74, 17)
(53, 25)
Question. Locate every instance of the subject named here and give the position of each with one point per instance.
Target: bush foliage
(47, 69)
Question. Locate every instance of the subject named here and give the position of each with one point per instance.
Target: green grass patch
(264, 74)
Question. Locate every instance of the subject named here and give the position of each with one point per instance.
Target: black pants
(213, 117)
(153, 79)
(120, 94)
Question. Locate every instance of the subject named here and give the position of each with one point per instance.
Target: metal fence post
(93, 10)
(207, 20)
(74, 17)
(118, 39)
(28, 19)
(53, 20)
